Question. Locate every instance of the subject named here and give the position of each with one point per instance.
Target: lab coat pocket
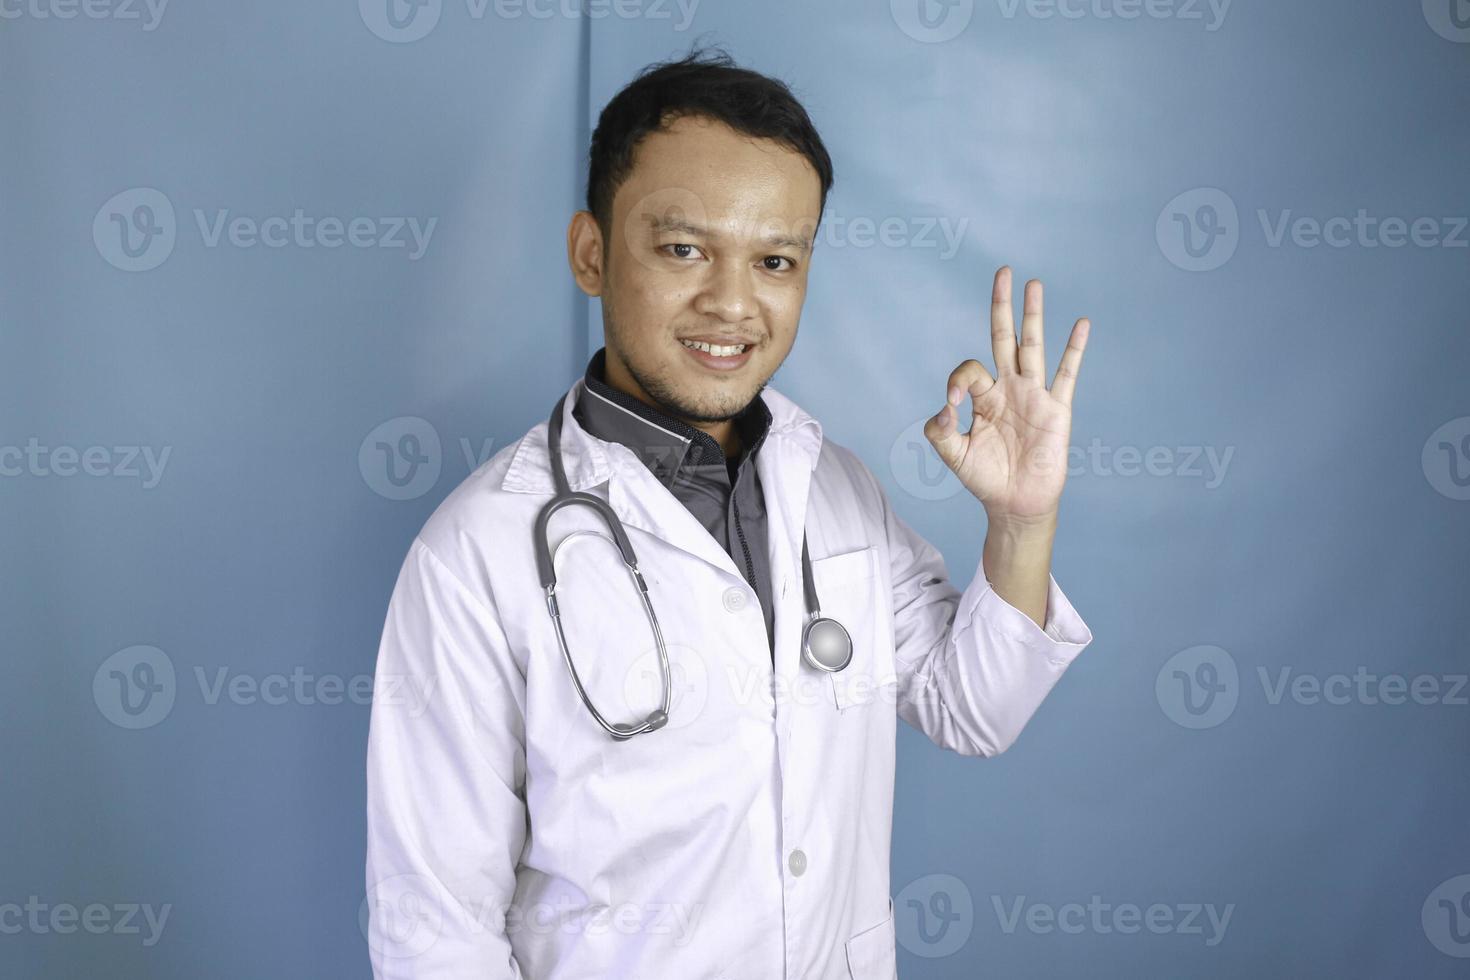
(871, 954)
(847, 589)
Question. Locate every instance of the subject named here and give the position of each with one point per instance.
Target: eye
(678, 246)
(766, 262)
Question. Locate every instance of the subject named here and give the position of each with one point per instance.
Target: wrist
(1022, 527)
(1017, 547)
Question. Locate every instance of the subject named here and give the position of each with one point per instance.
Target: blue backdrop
(276, 277)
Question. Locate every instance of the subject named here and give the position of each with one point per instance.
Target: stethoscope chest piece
(825, 644)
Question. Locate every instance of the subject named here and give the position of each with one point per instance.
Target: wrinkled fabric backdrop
(278, 276)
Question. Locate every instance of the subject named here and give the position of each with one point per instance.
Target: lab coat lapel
(640, 500)
(635, 494)
(785, 464)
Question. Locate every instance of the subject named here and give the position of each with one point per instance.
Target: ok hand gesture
(1014, 457)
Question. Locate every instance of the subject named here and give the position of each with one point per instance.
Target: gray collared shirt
(723, 494)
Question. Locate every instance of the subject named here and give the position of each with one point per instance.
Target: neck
(616, 374)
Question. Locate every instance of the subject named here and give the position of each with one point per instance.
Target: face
(711, 239)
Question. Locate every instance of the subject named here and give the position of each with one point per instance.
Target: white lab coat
(509, 836)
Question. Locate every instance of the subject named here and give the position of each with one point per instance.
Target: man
(746, 834)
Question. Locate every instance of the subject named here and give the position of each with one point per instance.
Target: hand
(1014, 458)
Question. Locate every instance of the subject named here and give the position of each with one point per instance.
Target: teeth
(712, 349)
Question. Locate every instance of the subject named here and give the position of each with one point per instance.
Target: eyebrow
(666, 223)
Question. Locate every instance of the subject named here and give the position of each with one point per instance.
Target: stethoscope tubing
(546, 571)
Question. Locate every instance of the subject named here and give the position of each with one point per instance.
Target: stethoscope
(825, 643)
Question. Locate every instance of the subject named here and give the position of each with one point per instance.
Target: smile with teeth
(716, 350)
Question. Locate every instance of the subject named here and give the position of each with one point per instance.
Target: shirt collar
(666, 445)
(588, 464)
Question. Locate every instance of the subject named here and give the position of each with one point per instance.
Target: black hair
(700, 84)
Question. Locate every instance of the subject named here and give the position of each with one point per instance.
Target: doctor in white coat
(747, 837)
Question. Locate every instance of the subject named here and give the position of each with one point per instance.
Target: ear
(584, 252)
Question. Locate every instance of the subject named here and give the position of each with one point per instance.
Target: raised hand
(1014, 457)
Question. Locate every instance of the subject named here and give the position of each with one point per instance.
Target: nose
(727, 293)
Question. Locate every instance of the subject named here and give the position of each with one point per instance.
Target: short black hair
(702, 83)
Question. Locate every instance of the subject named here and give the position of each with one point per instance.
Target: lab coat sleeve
(971, 668)
(446, 816)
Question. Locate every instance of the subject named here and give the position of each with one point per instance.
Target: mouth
(718, 357)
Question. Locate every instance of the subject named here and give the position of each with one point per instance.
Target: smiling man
(662, 739)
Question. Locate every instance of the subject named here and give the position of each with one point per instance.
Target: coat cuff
(1065, 634)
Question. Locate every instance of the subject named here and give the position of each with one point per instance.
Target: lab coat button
(734, 599)
(797, 862)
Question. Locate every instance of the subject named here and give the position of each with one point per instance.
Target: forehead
(705, 173)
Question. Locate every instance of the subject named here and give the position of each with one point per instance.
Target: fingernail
(955, 394)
